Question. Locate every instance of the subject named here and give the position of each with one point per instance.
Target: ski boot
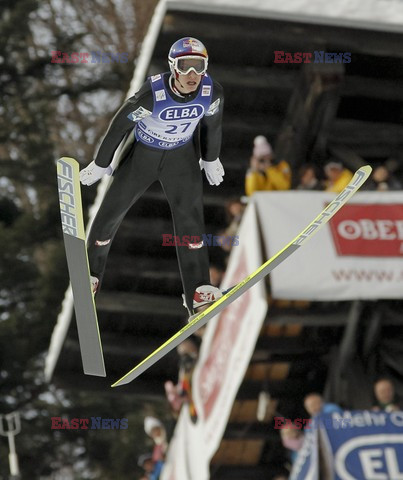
(203, 297)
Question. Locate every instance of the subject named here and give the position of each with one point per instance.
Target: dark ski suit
(162, 151)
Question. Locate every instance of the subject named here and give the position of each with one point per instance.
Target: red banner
(369, 230)
(228, 328)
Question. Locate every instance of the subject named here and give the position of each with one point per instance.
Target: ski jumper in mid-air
(175, 119)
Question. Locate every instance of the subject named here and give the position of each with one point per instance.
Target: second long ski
(198, 320)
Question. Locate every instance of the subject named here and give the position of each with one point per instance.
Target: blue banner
(354, 445)
(364, 445)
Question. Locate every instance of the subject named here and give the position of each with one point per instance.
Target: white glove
(92, 173)
(214, 171)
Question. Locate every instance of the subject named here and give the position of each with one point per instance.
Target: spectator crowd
(267, 174)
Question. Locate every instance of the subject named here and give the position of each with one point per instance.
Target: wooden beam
(251, 431)
(295, 387)
(210, 199)
(256, 78)
(268, 371)
(381, 88)
(239, 452)
(139, 303)
(352, 133)
(237, 125)
(140, 266)
(292, 345)
(239, 472)
(126, 264)
(285, 356)
(246, 411)
(125, 349)
(371, 152)
(306, 319)
(273, 329)
(141, 389)
(151, 274)
(121, 357)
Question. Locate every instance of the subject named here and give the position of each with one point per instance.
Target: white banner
(227, 347)
(186, 458)
(358, 255)
(230, 338)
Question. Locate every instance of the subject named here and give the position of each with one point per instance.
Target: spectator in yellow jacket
(263, 174)
(337, 176)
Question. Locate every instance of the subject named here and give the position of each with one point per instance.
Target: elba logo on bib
(144, 136)
(168, 144)
(182, 112)
(369, 230)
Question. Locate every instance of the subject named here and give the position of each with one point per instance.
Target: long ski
(198, 320)
(77, 260)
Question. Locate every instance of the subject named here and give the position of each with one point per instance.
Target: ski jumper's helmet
(188, 54)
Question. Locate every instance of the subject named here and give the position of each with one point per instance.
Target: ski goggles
(184, 65)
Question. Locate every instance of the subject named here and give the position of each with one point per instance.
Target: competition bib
(171, 123)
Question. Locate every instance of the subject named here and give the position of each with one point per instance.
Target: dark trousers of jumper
(179, 173)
